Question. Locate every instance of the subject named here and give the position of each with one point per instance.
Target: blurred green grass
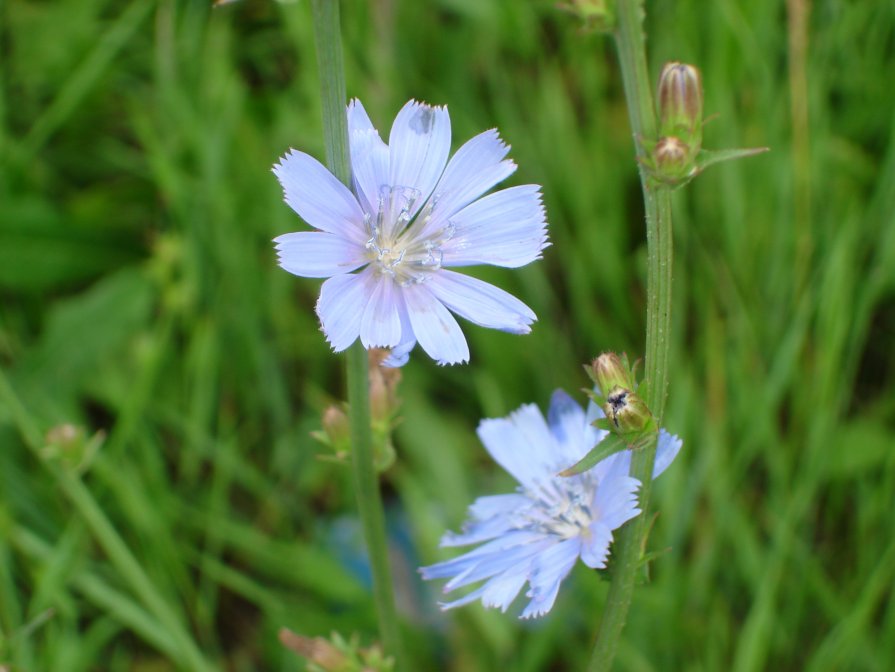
(139, 296)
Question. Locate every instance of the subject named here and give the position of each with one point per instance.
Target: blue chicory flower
(409, 216)
(537, 534)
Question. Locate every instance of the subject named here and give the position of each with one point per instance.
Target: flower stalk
(631, 47)
(335, 129)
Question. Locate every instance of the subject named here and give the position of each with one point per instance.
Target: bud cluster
(627, 414)
(336, 654)
(384, 406)
(674, 156)
(69, 446)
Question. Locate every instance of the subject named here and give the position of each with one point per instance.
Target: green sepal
(708, 157)
(602, 423)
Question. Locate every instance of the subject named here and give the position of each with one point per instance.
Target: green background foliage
(139, 296)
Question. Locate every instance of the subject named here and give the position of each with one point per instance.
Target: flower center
(405, 247)
(563, 511)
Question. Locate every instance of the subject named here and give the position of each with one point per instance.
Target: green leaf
(708, 157)
(609, 446)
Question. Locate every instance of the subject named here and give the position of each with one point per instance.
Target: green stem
(631, 46)
(119, 554)
(366, 481)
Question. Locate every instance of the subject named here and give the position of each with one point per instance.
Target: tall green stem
(366, 481)
(631, 45)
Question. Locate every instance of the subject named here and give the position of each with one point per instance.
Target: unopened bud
(336, 428)
(337, 654)
(628, 413)
(70, 446)
(609, 371)
(680, 104)
(384, 402)
(316, 650)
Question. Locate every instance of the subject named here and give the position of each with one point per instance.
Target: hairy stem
(657, 201)
(366, 481)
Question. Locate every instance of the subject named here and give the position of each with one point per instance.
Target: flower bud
(384, 402)
(316, 650)
(680, 104)
(69, 445)
(628, 413)
(337, 654)
(335, 424)
(609, 371)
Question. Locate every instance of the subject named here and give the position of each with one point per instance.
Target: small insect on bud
(609, 371)
(680, 104)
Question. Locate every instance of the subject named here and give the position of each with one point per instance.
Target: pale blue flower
(411, 214)
(537, 534)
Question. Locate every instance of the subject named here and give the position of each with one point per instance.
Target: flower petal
(568, 424)
(419, 144)
(616, 498)
(400, 354)
(463, 564)
(369, 168)
(500, 591)
(595, 546)
(550, 568)
(369, 157)
(341, 306)
(521, 444)
(592, 414)
(314, 254)
(463, 601)
(481, 303)
(668, 448)
(491, 517)
(380, 326)
(434, 327)
(506, 228)
(318, 197)
(498, 562)
(358, 119)
(476, 167)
